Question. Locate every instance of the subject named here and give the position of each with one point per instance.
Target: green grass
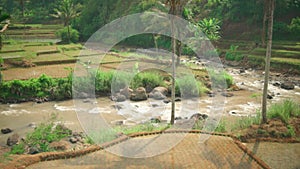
(147, 127)
(284, 110)
(51, 57)
(246, 122)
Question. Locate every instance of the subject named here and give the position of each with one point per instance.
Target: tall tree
(263, 31)
(176, 9)
(271, 6)
(66, 11)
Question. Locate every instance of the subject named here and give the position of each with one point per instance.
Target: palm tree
(3, 18)
(66, 11)
(271, 6)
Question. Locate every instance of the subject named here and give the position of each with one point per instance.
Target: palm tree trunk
(69, 39)
(268, 58)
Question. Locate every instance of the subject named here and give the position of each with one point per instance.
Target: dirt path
(216, 152)
(277, 155)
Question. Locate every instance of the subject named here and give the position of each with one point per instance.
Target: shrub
(63, 34)
(284, 110)
(295, 26)
(46, 133)
(18, 148)
(187, 86)
(219, 78)
(149, 80)
(232, 54)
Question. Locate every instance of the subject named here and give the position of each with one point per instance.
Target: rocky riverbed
(21, 118)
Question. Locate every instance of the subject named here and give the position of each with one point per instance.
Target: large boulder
(161, 90)
(12, 140)
(139, 94)
(126, 92)
(157, 96)
(158, 93)
(287, 85)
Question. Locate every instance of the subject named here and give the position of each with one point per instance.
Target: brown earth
(275, 131)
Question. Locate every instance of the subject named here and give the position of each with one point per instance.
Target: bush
(218, 78)
(18, 148)
(187, 86)
(294, 27)
(148, 80)
(63, 34)
(46, 133)
(232, 54)
(284, 110)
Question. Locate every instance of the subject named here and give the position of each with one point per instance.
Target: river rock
(126, 92)
(157, 96)
(177, 99)
(32, 125)
(120, 98)
(166, 101)
(33, 150)
(227, 94)
(276, 83)
(6, 130)
(73, 140)
(12, 140)
(287, 85)
(155, 119)
(161, 90)
(139, 94)
(199, 116)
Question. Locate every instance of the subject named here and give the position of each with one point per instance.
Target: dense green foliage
(232, 54)
(220, 79)
(284, 110)
(63, 34)
(187, 86)
(42, 136)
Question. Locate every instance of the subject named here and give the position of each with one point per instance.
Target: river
(21, 117)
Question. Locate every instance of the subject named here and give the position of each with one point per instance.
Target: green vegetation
(284, 110)
(42, 136)
(68, 35)
(220, 78)
(18, 148)
(232, 54)
(246, 122)
(187, 86)
(146, 127)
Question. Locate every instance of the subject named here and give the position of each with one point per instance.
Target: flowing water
(21, 117)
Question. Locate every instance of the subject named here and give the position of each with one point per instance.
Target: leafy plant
(232, 54)
(66, 37)
(46, 133)
(211, 28)
(187, 86)
(18, 148)
(220, 78)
